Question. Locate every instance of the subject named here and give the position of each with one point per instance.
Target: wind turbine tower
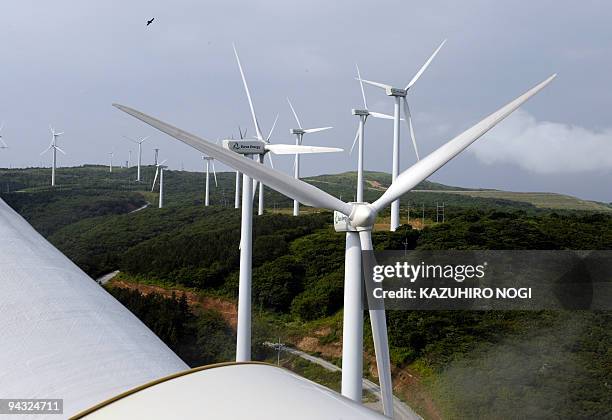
(399, 95)
(53, 146)
(110, 162)
(3, 145)
(299, 137)
(209, 162)
(160, 171)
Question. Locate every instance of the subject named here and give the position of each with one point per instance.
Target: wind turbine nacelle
(342, 223)
(395, 92)
(246, 147)
(297, 131)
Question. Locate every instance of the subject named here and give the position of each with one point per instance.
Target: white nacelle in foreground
(232, 391)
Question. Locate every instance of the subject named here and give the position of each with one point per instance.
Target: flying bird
(150, 21)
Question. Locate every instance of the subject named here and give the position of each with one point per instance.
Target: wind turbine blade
(435, 160)
(381, 115)
(409, 122)
(1, 125)
(272, 129)
(354, 141)
(365, 103)
(316, 130)
(283, 183)
(47, 149)
(291, 149)
(155, 179)
(424, 67)
(143, 139)
(270, 159)
(379, 85)
(246, 88)
(295, 114)
(214, 172)
(58, 148)
(59, 134)
(3, 145)
(52, 130)
(378, 323)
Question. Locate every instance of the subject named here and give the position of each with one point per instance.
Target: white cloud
(546, 147)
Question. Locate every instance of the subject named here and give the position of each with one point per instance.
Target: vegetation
(474, 364)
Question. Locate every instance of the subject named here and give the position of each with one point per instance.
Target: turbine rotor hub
(362, 216)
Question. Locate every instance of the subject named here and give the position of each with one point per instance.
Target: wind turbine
(160, 171)
(110, 163)
(139, 143)
(357, 219)
(55, 148)
(129, 162)
(399, 95)
(209, 161)
(3, 145)
(299, 137)
(254, 150)
(363, 115)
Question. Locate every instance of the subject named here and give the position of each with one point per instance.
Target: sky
(65, 62)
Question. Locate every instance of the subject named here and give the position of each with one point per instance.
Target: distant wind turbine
(160, 171)
(139, 143)
(53, 146)
(399, 95)
(110, 162)
(299, 137)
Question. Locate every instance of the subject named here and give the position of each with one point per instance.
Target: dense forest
(495, 364)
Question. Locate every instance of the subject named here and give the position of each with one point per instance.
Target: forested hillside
(471, 364)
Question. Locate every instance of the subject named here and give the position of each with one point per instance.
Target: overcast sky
(65, 62)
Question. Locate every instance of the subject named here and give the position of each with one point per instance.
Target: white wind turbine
(139, 143)
(110, 162)
(209, 161)
(399, 95)
(160, 171)
(363, 115)
(358, 220)
(299, 137)
(53, 146)
(3, 145)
